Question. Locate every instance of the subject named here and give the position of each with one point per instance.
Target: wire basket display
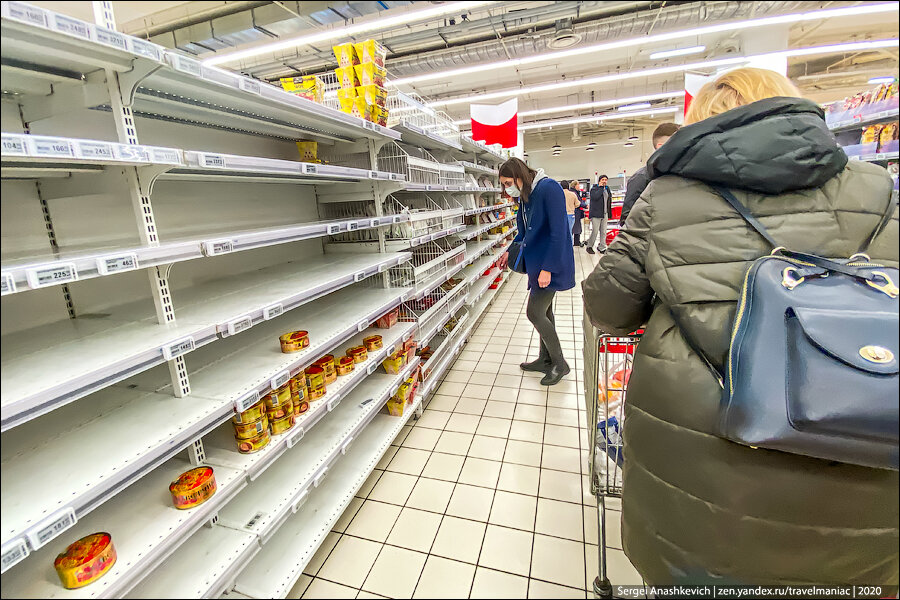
(415, 163)
(426, 214)
(430, 265)
(411, 109)
(433, 310)
(453, 175)
(363, 209)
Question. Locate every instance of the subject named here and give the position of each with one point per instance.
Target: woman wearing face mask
(547, 253)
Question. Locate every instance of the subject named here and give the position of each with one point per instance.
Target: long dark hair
(517, 169)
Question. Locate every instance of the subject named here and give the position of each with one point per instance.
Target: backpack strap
(882, 224)
(742, 210)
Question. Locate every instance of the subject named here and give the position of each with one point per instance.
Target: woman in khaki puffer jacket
(698, 508)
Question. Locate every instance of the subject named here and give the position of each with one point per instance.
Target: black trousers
(540, 312)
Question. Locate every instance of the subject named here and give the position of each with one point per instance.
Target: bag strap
(742, 210)
(882, 224)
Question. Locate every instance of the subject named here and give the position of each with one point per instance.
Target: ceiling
(496, 31)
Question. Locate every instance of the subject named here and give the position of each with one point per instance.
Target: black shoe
(555, 374)
(590, 250)
(539, 365)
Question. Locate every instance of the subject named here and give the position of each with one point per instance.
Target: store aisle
(486, 495)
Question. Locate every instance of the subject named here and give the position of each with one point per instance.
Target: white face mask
(513, 192)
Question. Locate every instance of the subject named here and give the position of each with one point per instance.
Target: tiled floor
(486, 495)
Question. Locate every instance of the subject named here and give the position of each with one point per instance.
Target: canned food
(327, 363)
(345, 365)
(255, 444)
(315, 378)
(276, 398)
(251, 414)
(358, 353)
(301, 408)
(245, 431)
(372, 343)
(316, 393)
(279, 426)
(193, 488)
(86, 560)
(279, 413)
(294, 341)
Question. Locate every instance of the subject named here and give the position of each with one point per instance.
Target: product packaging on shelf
(358, 353)
(345, 365)
(347, 93)
(250, 415)
(347, 77)
(315, 382)
(370, 74)
(346, 55)
(393, 364)
(193, 488)
(373, 342)
(371, 51)
(251, 429)
(310, 87)
(254, 444)
(86, 560)
(389, 319)
(295, 340)
(380, 115)
(373, 94)
(309, 151)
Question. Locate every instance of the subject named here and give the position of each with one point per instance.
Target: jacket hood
(537, 178)
(771, 146)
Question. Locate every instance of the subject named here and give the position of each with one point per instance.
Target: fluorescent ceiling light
(556, 147)
(638, 106)
(592, 144)
(589, 148)
(633, 138)
(600, 118)
(677, 52)
(706, 64)
(345, 33)
(813, 15)
(885, 79)
(629, 144)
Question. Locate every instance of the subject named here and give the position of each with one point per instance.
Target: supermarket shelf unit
(113, 388)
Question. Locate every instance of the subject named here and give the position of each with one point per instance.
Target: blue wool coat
(546, 240)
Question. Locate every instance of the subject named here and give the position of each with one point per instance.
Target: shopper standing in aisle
(571, 204)
(600, 212)
(638, 182)
(698, 508)
(578, 227)
(546, 250)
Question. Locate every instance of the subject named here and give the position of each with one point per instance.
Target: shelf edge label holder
(176, 349)
(296, 436)
(118, 263)
(240, 324)
(246, 402)
(280, 379)
(43, 276)
(270, 312)
(217, 247)
(7, 284)
(14, 553)
(50, 528)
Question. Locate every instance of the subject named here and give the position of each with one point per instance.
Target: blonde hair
(737, 88)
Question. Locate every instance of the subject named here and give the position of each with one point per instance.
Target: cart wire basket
(608, 361)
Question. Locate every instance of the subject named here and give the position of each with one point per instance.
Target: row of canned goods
(278, 411)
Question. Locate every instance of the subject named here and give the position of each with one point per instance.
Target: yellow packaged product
(346, 93)
(251, 445)
(348, 105)
(380, 115)
(85, 560)
(347, 77)
(371, 51)
(345, 54)
(403, 392)
(370, 74)
(394, 362)
(282, 425)
(374, 94)
(364, 109)
(309, 152)
(310, 87)
(396, 408)
(193, 488)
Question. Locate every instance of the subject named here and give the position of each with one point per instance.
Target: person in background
(600, 212)
(677, 269)
(571, 203)
(546, 250)
(579, 214)
(639, 181)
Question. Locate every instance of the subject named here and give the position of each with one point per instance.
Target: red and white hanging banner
(692, 84)
(496, 123)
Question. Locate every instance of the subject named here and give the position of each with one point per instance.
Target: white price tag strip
(14, 145)
(318, 481)
(178, 348)
(25, 13)
(132, 153)
(107, 37)
(310, 169)
(187, 65)
(270, 312)
(246, 402)
(353, 226)
(280, 379)
(333, 403)
(39, 277)
(333, 229)
(359, 276)
(142, 48)
(300, 501)
(240, 324)
(296, 436)
(71, 26)
(7, 284)
(216, 247)
(48, 529)
(373, 223)
(95, 150)
(13, 553)
(371, 368)
(361, 326)
(346, 446)
(212, 161)
(168, 156)
(107, 265)
(53, 147)
(373, 175)
(249, 85)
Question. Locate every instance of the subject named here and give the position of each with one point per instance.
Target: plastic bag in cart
(609, 439)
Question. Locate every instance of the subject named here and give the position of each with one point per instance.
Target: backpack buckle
(789, 281)
(888, 287)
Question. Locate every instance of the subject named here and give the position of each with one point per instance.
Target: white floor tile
(558, 561)
(494, 584)
(562, 416)
(431, 494)
(421, 438)
(415, 530)
(433, 419)
(559, 458)
(474, 390)
(541, 589)
(520, 479)
(347, 515)
(499, 410)
(444, 578)
(563, 400)
(367, 486)
(471, 502)
(480, 472)
(488, 448)
(462, 423)
(470, 406)
(459, 539)
(527, 412)
(442, 466)
(409, 460)
(318, 559)
(533, 397)
(523, 453)
(449, 388)
(513, 510)
(350, 561)
(526, 431)
(456, 376)
(393, 488)
(507, 550)
(374, 521)
(395, 573)
(454, 442)
(319, 588)
(482, 378)
(556, 435)
(502, 394)
(560, 519)
(508, 381)
(388, 456)
(302, 583)
(443, 403)
(494, 427)
(558, 485)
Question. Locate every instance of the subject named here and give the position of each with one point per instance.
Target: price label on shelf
(371, 368)
(361, 326)
(333, 403)
(107, 265)
(353, 226)
(13, 553)
(14, 145)
(131, 153)
(280, 379)
(392, 349)
(48, 529)
(246, 402)
(249, 85)
(333, 229)
(7, 284)
(382, 268)
(295, 436)
(270, 312)
(25, 13)
(255, 521)
(70, 26)
(95, 150)
(168, 156)
(310, 169)
(39, 277)
(143, 48)
(359, 276)
(217, 247)
(240, 324)
(300, 501)
(429, 188)
(176, 349)
(373, 175)
(212, 161)
(53, 147)
(187, 65)
(108, 37)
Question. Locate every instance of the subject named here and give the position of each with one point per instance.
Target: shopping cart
(607, 366)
